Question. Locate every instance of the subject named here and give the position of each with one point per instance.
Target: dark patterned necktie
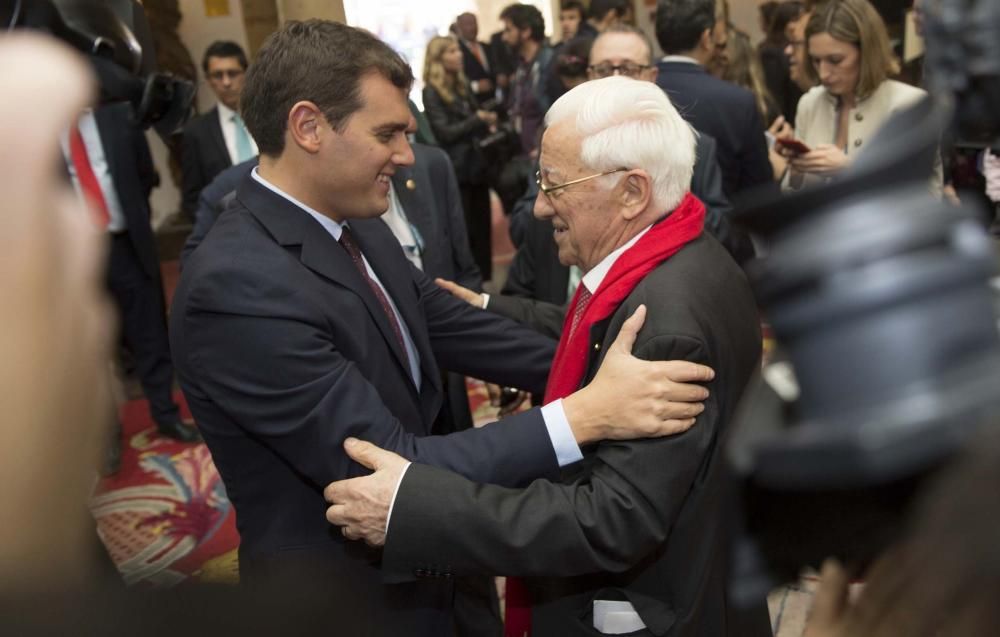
(347, 240)
(581, 306)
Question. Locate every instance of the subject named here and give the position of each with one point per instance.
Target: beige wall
(305, 9)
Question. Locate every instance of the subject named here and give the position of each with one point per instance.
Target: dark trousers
(478, 222)
(139, 301)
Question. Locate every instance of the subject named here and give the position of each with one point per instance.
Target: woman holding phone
(849, 54)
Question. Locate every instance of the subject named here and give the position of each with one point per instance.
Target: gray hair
(627, 123)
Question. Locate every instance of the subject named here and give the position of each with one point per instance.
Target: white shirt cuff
(560, 433)
(486, 300)
(394, 494)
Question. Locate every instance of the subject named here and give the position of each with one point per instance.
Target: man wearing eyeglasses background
(217, 139)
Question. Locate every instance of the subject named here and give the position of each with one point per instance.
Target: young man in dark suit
(299, 322)
(632, 539)
(689, 32)
(217, 139)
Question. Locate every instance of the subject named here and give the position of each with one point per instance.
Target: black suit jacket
(134, 177)
(475, 70)
(726, 112)
(204, 156)
(642, 520)
(283, 351)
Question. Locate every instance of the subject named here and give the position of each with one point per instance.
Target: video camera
(115, 37)
(880, 300)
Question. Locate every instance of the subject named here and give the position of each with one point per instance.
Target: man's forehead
(619, 47)
(560, 146)
(382, 102)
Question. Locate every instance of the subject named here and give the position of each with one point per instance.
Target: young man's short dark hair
(316, 60)
(574, 5)
(525, 16)
(680, 23)
(224, 49)
(600, 8)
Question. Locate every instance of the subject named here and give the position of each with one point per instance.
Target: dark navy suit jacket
(283, 351)
(726, 112)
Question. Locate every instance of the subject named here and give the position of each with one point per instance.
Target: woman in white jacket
(850, 56)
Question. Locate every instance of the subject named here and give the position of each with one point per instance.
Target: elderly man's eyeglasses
(628, 69)
(547, 190)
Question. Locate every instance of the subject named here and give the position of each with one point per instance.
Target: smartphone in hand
(794, 145)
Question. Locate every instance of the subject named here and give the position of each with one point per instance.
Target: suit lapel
(215, 128)
(409, 191)
(379, 247)
(109, 132)
(291, 226)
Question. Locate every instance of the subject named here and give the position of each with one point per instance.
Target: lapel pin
(411, 185)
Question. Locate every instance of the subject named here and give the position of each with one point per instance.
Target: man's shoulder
(695, 283)
(200, 123)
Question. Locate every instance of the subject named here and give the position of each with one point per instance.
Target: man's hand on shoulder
(361, 505)
(631, 398)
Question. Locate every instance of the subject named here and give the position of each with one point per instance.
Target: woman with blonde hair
(743, 68)
(459, 124)
(850, 57)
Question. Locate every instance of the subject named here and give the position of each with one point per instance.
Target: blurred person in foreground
(55, 345)
(942, 578)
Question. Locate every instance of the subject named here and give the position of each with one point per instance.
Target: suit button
(857, 143)
(858, 117)
(597, 347)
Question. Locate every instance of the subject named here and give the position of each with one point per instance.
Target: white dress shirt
(226, 115)
(99, 164)
(408, 236)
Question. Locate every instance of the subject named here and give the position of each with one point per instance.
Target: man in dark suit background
(300, 322)
(109, 160)
(217, 139)
(632, 539)
(476, 61)
(688, 32)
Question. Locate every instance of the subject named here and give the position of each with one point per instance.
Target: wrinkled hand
(474, 299)
(361, 505)
(631, 398)
(830, 604)
(825, 159)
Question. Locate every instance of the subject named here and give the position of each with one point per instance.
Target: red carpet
(165, 516)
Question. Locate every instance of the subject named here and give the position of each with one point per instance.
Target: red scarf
(660, 243)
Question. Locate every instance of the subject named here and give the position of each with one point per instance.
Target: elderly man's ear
(636, 193)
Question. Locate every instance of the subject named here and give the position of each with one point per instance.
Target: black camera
(117, 41)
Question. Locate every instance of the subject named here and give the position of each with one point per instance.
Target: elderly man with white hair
(633, 538)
